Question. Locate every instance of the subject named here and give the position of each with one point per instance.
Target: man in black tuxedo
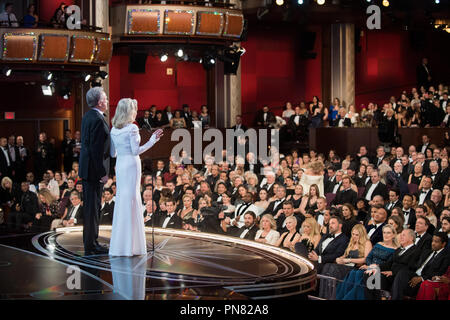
(423, 238)
(171, 220)
(187, 115)
(67, 146)
(21, 163)
(431, 263)
(73, 214)
(6, 166)
(425, 192)
(288, 210)
(107, 208)
(394, 200)
(94, 165)
(145, 122)
(375, 188)
(381, 155)
(152, 217)
(423, 73)
(331, 246)
(337, 183)
(248, 231)
(375, 230)
(252, 164)
(329, 179)
(408, 212)
(437, 178)
(25, 209)
(346, 195)
(425, 144)
(213, 177)
(400, 260)
(275, 208)
(14, 156)
(239, 124)
(265, 118)
(267, 183)
(160, 169)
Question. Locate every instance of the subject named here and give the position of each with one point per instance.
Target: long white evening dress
(128, 233)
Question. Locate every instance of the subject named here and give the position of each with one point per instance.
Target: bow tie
(168, 215)
(418, 236)
(373, 226)
(331, 236)
(423, 191)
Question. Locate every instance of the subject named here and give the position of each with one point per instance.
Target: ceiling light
(164, 57)
(47, 91)
(86, 76)
(386, 3)
(300, 1)
(103, 74)
(48, 75)
(279, 2)
(180, 53)
(320, 2)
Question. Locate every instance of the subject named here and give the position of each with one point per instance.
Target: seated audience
(268, 230)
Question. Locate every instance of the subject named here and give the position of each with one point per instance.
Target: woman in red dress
(437, 288)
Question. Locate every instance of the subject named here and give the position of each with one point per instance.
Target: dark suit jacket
(95, 147)
(79, 215)
(272, 209)
(411, 219)
(439, 181)
(380, 190)
(335, 248)
(260, 118)
(427, 197)
(348, 196)
(107, 213)
(155, 219)
(29, 203)
(250, 234)
(396, 204)
(397, 262)
(436, 267)
(377, 236)
(394, 181)
(424, 243)
(4, 169)
(175, 222)
(142, 123)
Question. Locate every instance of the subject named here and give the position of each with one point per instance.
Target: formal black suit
(21, 163)
(427, 197)
(67, 146)
(175, 222)
(410, 220)
(259, 119)
(155, 219)
(423, 73)
(396, 263)
(250, 235)
(28, 207)
(439, 180)
(334, 249)
(241, 126)
(424, 243)
(145, 124)
(78, 215)
(272, 208)
(5, 170)
(395, 180)
(380, 190)
(377, 236)
(389, 206)
(107, 213)
(436, 266)
(94, 164)
(345, 196)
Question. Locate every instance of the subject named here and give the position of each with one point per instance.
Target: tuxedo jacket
(107, 213)
(435, 267)
(377, 236)
(5, 170)
(155, 219)
(427, 197)
(16, 154)
(79, 215)
(243, 127)
(424, 243)
(334, 249)
(411, 221)
(395, 181)
(397, 262)
(142, 124)
(349, 196)
(439, 181)
(377, 162)
(175, 222)
(272, 209)
(251, 234)
(380, 190)
(328, 185)
(388, 206)
(260, 118)
(29, 203)
(95, 147)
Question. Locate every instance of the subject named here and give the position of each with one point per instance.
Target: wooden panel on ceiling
(234, 25)
(19, 46)
(83, 49)
(54, 47)
(143, 21)
(179, 22)
(209, 23)
(104, 50)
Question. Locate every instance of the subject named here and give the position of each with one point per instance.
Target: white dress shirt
(73, 214)
(405, 249)
(4, 21)
(422, 196)
(373, 229)
(166, 221)
(419, 271)
(6, 156)
(371, 190)
(325, 244)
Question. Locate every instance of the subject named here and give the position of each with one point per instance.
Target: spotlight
(279, 2)
(164, 57)
(320, 2)
(201, 60)
(103, 74)
(86, 76)
(180, 53)
(300, 2)
(48, 75)
(7, 71)
(47, 90)
(386, 3)
(437, 1)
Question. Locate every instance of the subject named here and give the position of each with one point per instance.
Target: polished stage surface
(180, 265)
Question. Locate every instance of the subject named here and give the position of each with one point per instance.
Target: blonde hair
(47, 195)
(293, 219)
(273, 224)
(125, 113)
(314, 227)
(363, 238)
(6, 179)
(316, 166)
(394, 240)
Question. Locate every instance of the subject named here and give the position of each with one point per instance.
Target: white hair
(125, 113)
(93, 96)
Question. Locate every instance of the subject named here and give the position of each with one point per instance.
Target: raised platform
(184, 265)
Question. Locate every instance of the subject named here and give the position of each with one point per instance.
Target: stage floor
(184, 265)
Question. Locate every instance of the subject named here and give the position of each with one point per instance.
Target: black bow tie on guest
(331, 236)
(423, 191)
(372, 226)
(418, 236)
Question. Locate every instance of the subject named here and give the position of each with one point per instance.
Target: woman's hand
(363, 267)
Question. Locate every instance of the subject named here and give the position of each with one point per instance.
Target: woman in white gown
(128, 233)
(313, 175)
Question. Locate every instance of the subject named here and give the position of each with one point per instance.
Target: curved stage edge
(184, 265)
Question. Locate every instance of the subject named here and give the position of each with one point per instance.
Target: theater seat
(361, 191)
(330, 197)
(413, 188)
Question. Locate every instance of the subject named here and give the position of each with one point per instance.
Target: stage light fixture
(437, 1)
(300, 2)
(164, 57)
(86, 76)
(180, 53)
(279, 2)
(103, 74)
(7, 71)
(320, 2)
(212, 61)
(386, 3)
(47, 90)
